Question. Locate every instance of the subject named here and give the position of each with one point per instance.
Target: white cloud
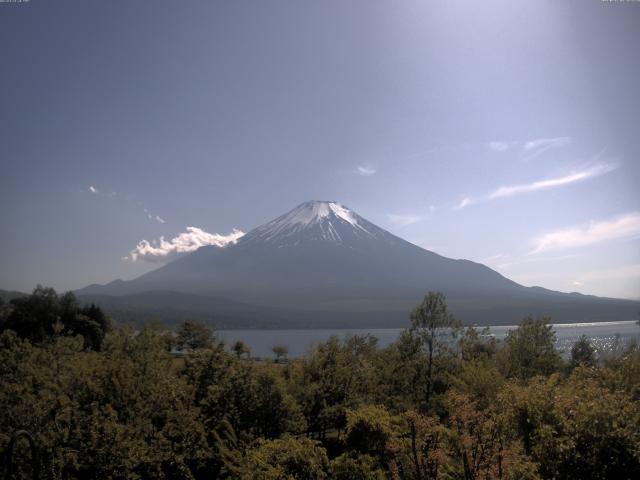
(366, 170)
(531, 148)
(404, 220)
(592, 172)
(547, 142)
(538, 146)
(578, 284)
(466, 201)
(188, 241)
(498, 146)
(511, 190)
(159, 220)
(624, 226)
(92, 189)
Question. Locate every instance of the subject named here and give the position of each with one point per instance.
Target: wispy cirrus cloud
(366, 170)
(579, 176)
(511, 190)
(538, 146)
(547, 143)
(189, 241)
(621, 227)
(530, 148)
(465, 202)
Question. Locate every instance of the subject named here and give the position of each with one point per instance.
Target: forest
(445, 401)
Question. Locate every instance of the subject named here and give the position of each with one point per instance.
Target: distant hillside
(7, 295)
(173, 307)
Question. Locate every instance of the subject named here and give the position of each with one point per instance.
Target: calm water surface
(604, 335)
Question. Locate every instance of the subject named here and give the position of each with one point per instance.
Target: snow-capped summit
(314, 221)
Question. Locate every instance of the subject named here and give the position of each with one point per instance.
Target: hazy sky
(503, 132)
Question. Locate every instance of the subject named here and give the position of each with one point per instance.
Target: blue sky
(499, 131)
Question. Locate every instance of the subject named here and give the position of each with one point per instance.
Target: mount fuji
(323, 265)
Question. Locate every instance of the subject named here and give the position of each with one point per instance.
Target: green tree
(530, 349)
(475, 371)
(43, 314)
(5, 309)
(121, 406)
(597, 434)
(334, 377)
(480, 379)
(251, 398)
(474, 344)
(400, 372)
(369, 428)
(582, 353)
(432, 323)
(33, 317)
(482, 443)
(418, 450)
(285, 458)
(356, 467)
(622, 372)
(192, 335)
(118, 413)
(275, 411)
(240, 348)
(280, 351)
(579, 428)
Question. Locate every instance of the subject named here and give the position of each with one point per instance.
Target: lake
(603, 335)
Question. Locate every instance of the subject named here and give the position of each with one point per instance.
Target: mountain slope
(8, 295)
(321, 264)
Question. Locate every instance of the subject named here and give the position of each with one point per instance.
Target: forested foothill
(444, 401)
